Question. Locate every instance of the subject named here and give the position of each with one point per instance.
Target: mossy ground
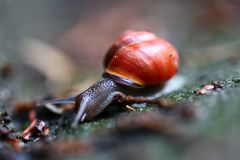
(213, 132)
(215, 128)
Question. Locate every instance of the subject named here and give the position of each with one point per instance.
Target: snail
(137, 66)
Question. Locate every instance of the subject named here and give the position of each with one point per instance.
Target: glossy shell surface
(142, 57)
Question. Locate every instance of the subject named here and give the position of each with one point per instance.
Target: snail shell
(141, 58)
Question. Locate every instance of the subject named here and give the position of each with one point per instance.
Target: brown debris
(6, 135)
(34, 131)
(209, 87)
(4, 118)
(205, 89)
(130, 108)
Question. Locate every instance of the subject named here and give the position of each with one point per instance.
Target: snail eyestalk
(81, 114)
(66, 100)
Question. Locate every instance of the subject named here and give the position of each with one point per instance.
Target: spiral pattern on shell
(142, 57)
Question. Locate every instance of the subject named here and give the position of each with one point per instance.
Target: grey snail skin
(137, 66)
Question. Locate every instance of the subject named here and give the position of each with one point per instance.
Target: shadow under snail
(136, 66)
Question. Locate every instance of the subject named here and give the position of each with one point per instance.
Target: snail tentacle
(65, 100)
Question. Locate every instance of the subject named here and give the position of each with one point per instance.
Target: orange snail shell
(142, 57)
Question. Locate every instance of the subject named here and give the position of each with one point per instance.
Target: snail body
(137, 64)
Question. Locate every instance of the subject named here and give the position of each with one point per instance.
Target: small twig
(35, 130)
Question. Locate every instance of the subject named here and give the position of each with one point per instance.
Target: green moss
(85, 129)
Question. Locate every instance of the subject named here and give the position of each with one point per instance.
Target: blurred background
(50, 46)
(66, 40)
